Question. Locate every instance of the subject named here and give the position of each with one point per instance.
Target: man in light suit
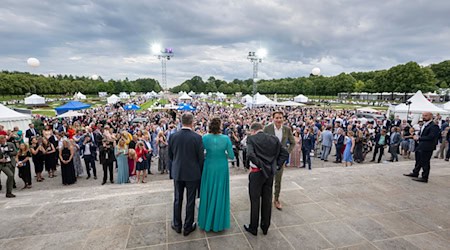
(427, 141)
(327, 143)
(187, 155)
(394, 143)
(284, 135)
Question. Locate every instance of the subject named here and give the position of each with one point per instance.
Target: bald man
(426, 143)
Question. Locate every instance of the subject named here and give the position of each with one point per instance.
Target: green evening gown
(214, 208)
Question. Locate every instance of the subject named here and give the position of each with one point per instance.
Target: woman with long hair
(294, 159)
(37, 154)
(23, 163)
(66, 153)
(163, 160)
(49, 157)
(214, 208)
(349, 149)
(131, 162)
(121, 152)
(76, 159)
(141, 153)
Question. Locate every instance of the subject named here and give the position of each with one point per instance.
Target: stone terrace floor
(367, 206)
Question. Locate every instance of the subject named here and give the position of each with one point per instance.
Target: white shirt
(87, 149)
(278, 132)
(424, 125)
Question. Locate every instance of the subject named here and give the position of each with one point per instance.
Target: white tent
(185, 96)
(446, 106)
(71, 113)
(112, 99)
(202, 95)
(79, 96)
(10, 119)
(261, 100)
(418, 105)
(148, 95)
(124, 95)
(289, 103)
(300, 98)
(102, 94)
(367, 110)
(191, 93)
(34, 100)
(247, 99)
(221, 95)
(133, 94)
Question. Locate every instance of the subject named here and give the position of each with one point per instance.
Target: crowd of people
(111, 137)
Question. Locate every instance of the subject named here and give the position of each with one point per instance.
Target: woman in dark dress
(67, 169)
(37, 154)
(23, 163)
(163, 160)
(359, 147)
(49, 157)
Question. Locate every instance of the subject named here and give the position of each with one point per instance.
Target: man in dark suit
(187, 155)
(307, 146)
(381, 141)
(107, 159)
(339, 144)
(266, 155)
(284, 135)
(31, 132)
(427, 141)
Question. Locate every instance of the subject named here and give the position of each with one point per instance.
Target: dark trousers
(191, 189)
(380, 149)
(260, 190)
(108, 166)
(306, 157)
(447, 156)
(339, 153)
(236, 157)
(25, 173)
(245, 159)
(423, 161)
(89, 161)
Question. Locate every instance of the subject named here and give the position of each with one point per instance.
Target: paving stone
(363, 246)
(173, 236)
(428, 241)
(149, 213)
(108, 238)
(338, 233)
(188, 245)
(305, 237)
(370, 229)
(285, 217)
(399, 224)
(395, 244)
(147, 234)
(432, 218)
(273, 240)
(313, 213)
(231, 242)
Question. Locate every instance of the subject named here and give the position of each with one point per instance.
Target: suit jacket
(187, 155)
(340, 140)
(106, 151)
(386, 139)
(327, 138)
(29, 134)
(287, 136)
(12, 153)
(395, 139)
(266, 152)
(429, 137)
(92, 148)
(308, 142)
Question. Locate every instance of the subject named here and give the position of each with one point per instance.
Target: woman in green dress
(214, 208)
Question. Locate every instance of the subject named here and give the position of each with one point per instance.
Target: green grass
(149, 103)
(46, 112)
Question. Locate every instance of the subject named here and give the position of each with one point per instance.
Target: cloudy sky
(112, 38)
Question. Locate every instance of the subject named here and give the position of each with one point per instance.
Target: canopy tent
(34, 100)
(72, 105)
(185, 107)
(418, 105)
(10, 119)
(300, 98)
(191, 93)
(202, 95)
(79, 96)
(261, 100)
(247, 99)
(133, 94)
(124, 95)
(289, 103)
(112, 99)
(131, 107)
(221, 95)
(446, 106)
(71, 113)
(185, 96)
(102, 94)
(367, 110)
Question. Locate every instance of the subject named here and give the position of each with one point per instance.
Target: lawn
(45, 112)
(149, 103)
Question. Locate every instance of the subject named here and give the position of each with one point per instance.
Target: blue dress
(348, 157)
(122, 165)
(214, 208)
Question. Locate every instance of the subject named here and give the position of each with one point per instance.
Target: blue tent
(72, 105)
(131, 107)
(185, 107)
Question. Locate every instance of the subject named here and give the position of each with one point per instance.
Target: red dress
(131, 164)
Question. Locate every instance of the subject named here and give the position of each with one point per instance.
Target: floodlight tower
(163, 55)
(255, 58)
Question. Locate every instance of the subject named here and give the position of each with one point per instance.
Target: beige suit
(286, 137)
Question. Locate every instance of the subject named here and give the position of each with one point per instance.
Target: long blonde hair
(132, 154)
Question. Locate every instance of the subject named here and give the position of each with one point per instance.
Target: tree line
(408, 77)
(20, 83)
